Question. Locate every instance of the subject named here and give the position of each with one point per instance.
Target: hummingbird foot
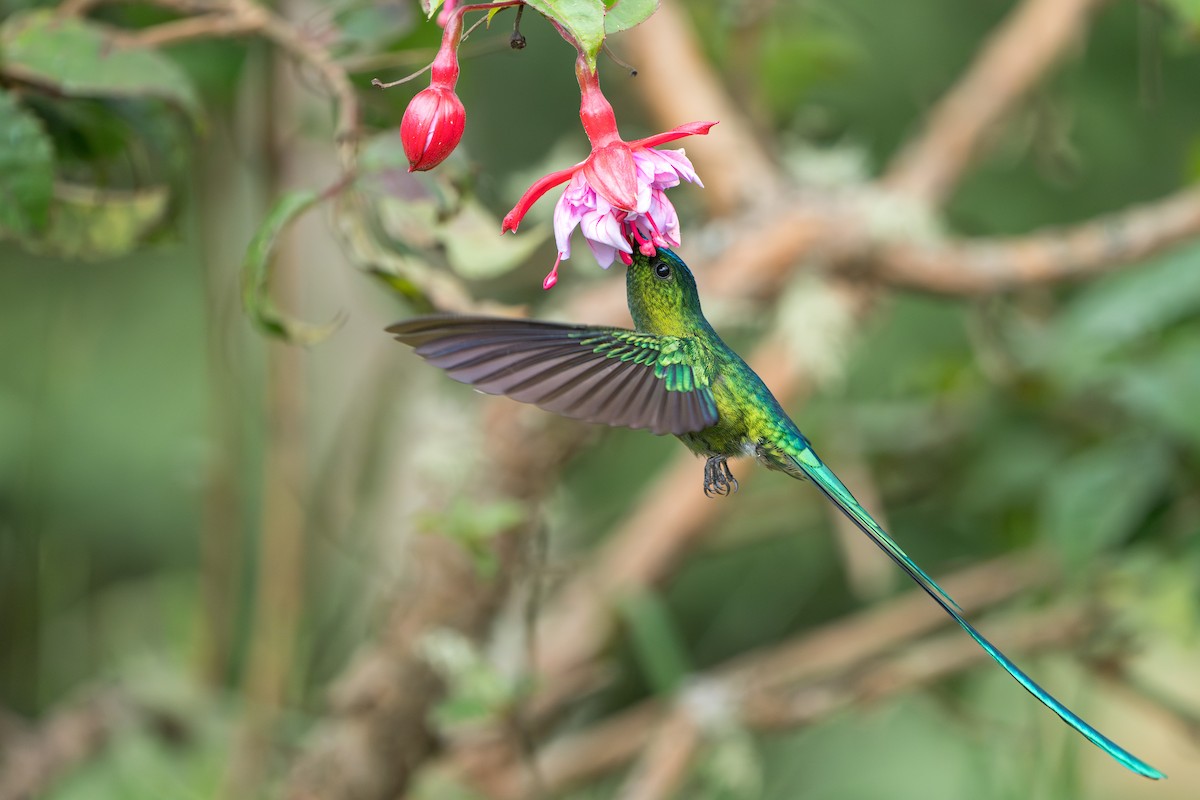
(718, 480)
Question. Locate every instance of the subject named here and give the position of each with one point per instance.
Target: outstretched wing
(608, 375)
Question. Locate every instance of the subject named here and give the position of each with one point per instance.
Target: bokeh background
(959, 239)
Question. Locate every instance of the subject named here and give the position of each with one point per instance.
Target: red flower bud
(432, 127)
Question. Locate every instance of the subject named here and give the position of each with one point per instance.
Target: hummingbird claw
(718, 480)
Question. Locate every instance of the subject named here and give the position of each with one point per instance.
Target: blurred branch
(204, 26)
(979, 266)
(1026, 46)
(663, 766)
(1049, 629)
(833, 648)
(281, 569)
(248, 18)
(1184, 723)
(375, 734)
(759, 259)
(33, 760)
(814, 675)
(223, 518)
(863, 229)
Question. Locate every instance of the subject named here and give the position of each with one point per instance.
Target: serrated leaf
(81, 58)
(256, 273)
(90, 223)
(626, 14)
(1096, 499)
(26, 170)
(583, 20)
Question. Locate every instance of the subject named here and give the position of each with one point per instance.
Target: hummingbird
(674, 375)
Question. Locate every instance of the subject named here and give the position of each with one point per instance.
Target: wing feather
(604, 375)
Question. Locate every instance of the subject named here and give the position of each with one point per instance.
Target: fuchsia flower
(432, 127)
(435, 118)
(651, 223)
(617, 195)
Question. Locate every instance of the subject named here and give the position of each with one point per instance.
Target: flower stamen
(552, 277)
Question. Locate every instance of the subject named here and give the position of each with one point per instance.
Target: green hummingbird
(673, 374)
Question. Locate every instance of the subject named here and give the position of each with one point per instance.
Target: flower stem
(595, 112)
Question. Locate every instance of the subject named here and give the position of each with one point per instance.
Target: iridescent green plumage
(673, 374)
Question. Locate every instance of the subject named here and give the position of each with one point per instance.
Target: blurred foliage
(132, 180)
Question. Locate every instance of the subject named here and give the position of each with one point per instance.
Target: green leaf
(256, 273)
(26, 170)
(1151, 590)
(398, 225)
(476, 692)
(91, 223)
(476, 252)
(80, 58)
(1122, 310)
(1097, 498)
(657, 643)
(430, 7)
(1164, 389)
(626, 14)
(365, 26)
(475, 526)
(1188, 9)
(583, 20)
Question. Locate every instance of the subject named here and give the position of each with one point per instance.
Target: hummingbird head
(662, 295)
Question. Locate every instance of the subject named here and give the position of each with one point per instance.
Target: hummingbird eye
(662, 269)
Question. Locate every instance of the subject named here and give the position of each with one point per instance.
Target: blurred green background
(136, 453)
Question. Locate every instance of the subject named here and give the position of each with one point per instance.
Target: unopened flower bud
(432, 127)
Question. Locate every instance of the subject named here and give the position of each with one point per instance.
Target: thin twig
(205, 26)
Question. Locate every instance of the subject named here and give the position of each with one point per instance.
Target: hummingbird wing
(607, 375)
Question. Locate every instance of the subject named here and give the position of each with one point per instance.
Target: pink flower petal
(689, 129)
(534, 193)
(611, 172)
(603, 253)
(681, 165)
(603, 229)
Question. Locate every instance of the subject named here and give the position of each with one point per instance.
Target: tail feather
(807, 461)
